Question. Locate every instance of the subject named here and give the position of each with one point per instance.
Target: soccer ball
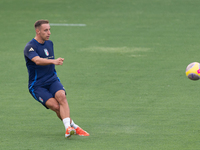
(193, 71)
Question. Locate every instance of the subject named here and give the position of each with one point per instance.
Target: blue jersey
(39, 75)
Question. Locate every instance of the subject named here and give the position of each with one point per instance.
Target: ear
(37, 30)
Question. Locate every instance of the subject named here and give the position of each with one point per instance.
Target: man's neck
(39, 40)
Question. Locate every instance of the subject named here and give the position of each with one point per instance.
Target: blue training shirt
(39, 75)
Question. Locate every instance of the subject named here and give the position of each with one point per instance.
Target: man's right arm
(43, 62)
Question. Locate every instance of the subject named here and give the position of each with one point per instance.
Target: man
(44, 85)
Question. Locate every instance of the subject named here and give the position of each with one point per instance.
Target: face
(44, 32)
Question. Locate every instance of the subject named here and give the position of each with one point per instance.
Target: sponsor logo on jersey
(31, 49)
(46, 52)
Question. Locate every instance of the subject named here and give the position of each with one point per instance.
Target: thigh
(53, 104)
(55, 87)
(41, 94)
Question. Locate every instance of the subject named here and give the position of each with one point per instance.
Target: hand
(59, 61)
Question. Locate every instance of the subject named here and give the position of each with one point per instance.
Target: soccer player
(44, 85)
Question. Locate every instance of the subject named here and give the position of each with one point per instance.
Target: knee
(61, 97)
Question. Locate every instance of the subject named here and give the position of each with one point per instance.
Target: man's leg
(64, 107)
(53, 104)
(64, 112)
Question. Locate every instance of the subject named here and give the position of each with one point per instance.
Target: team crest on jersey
(40, 98)
(46, 52)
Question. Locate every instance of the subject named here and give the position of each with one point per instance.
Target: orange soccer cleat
(69, 132)
(81, 132)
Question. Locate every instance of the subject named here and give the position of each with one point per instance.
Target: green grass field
(124, 73)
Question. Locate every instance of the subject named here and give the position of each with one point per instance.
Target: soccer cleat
(69, 132)
(81, 132)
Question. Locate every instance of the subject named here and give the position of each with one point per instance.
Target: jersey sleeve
(30, 52)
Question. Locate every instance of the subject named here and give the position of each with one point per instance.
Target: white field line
(62, 24)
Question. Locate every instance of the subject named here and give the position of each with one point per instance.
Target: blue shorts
(45, 92)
